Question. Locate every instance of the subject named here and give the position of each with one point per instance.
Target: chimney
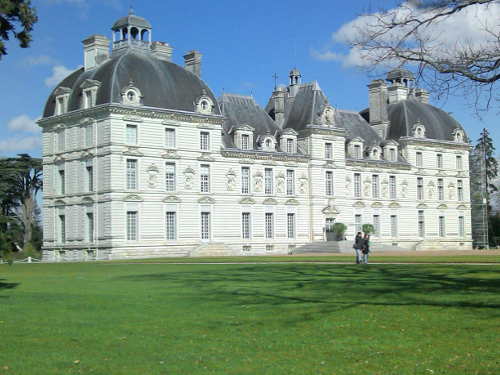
(397, 92)
(192, 62)
(162, 51)
(95, 51)
(278, 99)
(422, 96)
(377, 98)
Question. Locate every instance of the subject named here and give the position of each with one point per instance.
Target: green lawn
(307, 319)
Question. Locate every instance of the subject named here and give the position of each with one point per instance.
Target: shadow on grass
(5, 285)
(326, 288)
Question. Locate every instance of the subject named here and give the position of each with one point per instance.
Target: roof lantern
(131, 30)
(401, 76)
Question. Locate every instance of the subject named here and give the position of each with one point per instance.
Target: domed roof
(131, 20)
(294, 72)
(404, 114)
(399, 74)
(162, 84)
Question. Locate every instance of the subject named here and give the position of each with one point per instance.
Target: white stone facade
(123, 180)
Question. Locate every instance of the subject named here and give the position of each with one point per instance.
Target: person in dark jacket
(358, 244)
(365, 248)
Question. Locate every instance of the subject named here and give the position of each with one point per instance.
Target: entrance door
(329, 234)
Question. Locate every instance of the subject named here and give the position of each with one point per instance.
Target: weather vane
(275, 76)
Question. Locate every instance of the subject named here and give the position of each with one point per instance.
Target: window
(392, 187)
(459, 163)
(247, 248)
(392, 154)
(460, 190)
(269, 247)
(421, 224)
(90, 178)
(131, 174)
(394, 226)
(440, 189)
(62, 182)
(461, 226)
(269, 225)
(205, 178)
(90, 227)
(89, 135)
(204, 141)
(290, 225)
(171, 225)
(245, 142)
(357, 223)
(60, 105)
(169, 138)
(357, 185)
(357, 151)
(131, 225)
(62, 228)
(420, 188)
(205, 225)
(375, 186)
(289, 145)
(442, 229)
(61, 140)
(245, 180)
(245, 225)
(328, 151)
(376, 225)
(131, 134)
(87, 99)
(290, 182)
(170, 177)
(439, 161)
(419, 159)
(329, 182)
(268, 181)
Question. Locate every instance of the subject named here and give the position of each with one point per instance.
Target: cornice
(434, 143)
(377, 164)
(263, 156)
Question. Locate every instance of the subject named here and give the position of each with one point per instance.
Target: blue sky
(243, 45)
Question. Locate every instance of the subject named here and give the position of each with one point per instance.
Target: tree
(483, 171)
(11, 13)
(454, 45)
(21, 182)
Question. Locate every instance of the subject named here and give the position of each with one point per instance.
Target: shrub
(339, 230)
(368, 228)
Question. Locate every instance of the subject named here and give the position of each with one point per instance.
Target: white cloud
(19, 144)
(40, 60)
(23, 123)
(447, 37)
(59, 72)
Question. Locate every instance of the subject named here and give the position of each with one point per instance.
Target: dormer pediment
(244, 128)
(289, 131)
(62, 91)
(90, 83)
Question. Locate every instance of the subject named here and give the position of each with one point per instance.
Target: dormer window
(89, 92)
(328, 116)
(243, 137)
(419, 130)
(131, 95)
(62, 97)
(355, 148)
(375, 153)
(289, 141)
(458, 135)
(267, 142)
(204, 104)
(391, 151)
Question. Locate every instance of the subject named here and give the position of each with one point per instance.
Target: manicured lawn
(307, 319)
(479, 258)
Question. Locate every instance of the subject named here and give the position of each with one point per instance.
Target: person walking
(365, 248)
(358, 244)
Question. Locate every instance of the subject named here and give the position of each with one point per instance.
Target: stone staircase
(212, 249)
(326, 247)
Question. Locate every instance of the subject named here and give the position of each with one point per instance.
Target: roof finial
(130, 9)
(275, 76)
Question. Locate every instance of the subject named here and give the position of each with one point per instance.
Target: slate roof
(163, 84)
(356, 126)
(131, 20)
(403, 115)
(243, 110)
(305, 107)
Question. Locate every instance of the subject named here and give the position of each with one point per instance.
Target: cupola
(131, 30)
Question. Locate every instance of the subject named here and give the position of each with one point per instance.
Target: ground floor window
(376, 225)
(62, 228)
(90, 227)
(205, 225)
(461, 226)
(421, 224)
(291, 225)
(394, 226)
(132, 225)
(442, 229)
(170, 223)
(357, 223)
(245, 225)
(269, 223)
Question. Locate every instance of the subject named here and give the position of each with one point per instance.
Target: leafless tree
(454, 45)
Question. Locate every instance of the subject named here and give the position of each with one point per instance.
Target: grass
(479, 258)
(108, 318)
